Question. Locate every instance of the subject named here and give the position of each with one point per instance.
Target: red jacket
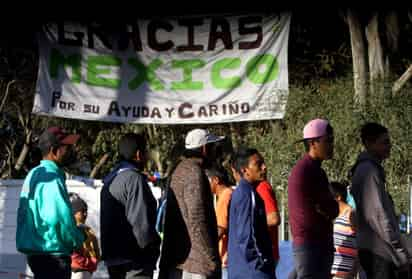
(87, 258)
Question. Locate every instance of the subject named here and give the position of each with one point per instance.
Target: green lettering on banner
(93, 71)
(187, 66)
(271, 69)
(154, 82)
(225, 83)
(57, 59)
(141, 73)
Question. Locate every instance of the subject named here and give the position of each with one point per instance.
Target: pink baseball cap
(315, 128)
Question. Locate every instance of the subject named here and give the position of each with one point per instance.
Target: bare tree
(358, 57)
(375, 55)
(406, 75)
(374, 38)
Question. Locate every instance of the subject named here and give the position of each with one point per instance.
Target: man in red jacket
(311, 206)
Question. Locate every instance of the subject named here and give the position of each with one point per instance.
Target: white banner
(165, 71)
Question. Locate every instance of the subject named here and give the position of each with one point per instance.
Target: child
(345, 260)
(84, 261)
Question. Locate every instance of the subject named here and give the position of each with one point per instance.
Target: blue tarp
(286, 260)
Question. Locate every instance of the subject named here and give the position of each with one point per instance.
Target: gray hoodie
(377, 225)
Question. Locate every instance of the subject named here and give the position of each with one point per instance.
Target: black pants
(312, 261)
(128, 271)
(50, 267)
(377, 267)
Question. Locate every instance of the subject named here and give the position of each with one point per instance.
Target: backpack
(161, 211)
(160, 218)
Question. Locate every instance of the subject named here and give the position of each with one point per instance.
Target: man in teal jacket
(46, 229)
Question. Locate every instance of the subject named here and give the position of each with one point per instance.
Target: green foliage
(333, 100)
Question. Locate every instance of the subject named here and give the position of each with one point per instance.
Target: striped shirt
(346, 252)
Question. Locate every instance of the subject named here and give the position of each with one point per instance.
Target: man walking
(381, 251)
(129, 241)
(250, 246)
(312, 208)
(190, 247)
(46, 229)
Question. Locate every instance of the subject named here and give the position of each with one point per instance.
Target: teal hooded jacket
(45, 222)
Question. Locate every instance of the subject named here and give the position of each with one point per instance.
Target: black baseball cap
(57, 136)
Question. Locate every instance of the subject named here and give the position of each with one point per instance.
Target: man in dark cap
(46, 230)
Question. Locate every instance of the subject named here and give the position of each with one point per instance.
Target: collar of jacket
(366, 156)
(121, 165)
(313, 161)
(247, 183)
(196, 160)
(53, 166)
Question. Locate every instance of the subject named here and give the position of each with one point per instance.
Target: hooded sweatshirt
(378, 231)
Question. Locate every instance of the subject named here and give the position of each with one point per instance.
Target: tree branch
(6, 94)
(99, 165)
(24, 152)
(402, 80)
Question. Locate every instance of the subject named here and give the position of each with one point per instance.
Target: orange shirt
(265, 191)
(222, 215)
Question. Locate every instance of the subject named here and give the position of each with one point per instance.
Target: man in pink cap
(311, 206)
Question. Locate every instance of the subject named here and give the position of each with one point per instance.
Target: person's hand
(404, 271)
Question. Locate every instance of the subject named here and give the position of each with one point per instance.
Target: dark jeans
(50, 267)
(293, 274)
(313, 261)
(377, 267)
(128, 271)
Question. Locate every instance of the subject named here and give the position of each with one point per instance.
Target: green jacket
(45, 222)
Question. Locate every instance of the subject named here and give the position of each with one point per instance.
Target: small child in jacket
(85, 260)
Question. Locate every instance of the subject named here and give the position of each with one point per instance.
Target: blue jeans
(224, 273)
(313, 261)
